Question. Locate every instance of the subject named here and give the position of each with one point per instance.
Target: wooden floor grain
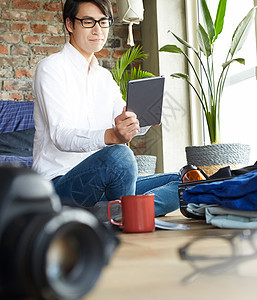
(147, 266)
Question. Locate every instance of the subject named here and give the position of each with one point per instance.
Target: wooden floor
(147, 266)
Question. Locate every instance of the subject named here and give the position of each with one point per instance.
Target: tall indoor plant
(210, 94)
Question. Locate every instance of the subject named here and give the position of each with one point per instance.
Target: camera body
(47, 251)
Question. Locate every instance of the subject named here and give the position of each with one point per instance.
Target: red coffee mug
(137, 213)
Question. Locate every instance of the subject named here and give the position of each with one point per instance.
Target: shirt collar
(78, 59)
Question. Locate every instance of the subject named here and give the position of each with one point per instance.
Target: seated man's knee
(122, 157)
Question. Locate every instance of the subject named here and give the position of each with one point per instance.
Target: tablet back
(145, 98)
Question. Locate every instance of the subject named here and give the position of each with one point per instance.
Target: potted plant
(120, 71)
(211, 87)
(122, 74)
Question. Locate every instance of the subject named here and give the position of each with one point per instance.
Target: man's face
(87, 40)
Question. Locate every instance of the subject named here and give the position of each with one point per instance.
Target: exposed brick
(4, 95)
(20, 27)
(54, 40)
(28, 97)
(5, 72)
(17, 85)
(3, 49)
(45, 50)
(10, 96)
(121, 32)
(18, 61)
(103, 53)
(34, 61)
(15, 15)
(59, 18)
(40, 28)
(113, 43)
(32, 39)
(107, 63)
(4, 3)
(20, 50)
(24, 4)
(24, 72)
(53, 6)
(43, 16)
(10, 38)
(15, 96)
(117, 53)
(3, 27)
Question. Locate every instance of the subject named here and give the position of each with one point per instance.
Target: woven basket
(211, 158)
(146, 164)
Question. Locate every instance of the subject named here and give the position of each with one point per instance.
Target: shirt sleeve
(119, 103)
(51, 100)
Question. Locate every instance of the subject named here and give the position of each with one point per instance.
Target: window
(239, 101)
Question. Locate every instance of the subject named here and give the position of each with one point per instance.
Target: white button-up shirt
(74, 105)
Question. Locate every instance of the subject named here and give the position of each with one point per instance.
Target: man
(81, 122)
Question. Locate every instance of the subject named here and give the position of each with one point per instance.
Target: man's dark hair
(71, 8)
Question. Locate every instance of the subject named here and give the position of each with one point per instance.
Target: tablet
(145, 98)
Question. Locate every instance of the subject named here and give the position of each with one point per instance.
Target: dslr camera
(47, 251)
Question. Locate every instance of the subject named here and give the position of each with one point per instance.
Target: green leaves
(208, 20)
(219, 21)
(241, 32)
(120, 73)
(239, 60)
(183, 42)
(126, 59)
(171, 49)
(210, 93)
(207, 36)
(204, 41)
(180, 75)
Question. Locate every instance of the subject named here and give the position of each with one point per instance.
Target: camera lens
(68, 256)
(53, 256)
(47, 251)
(62, 256)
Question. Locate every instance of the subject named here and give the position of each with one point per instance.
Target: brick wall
(31, 30)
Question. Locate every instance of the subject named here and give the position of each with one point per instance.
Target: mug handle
(109, 212)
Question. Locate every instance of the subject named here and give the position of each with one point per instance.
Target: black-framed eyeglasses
(230, 252)
(90, 22)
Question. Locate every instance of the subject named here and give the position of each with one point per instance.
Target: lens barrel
(52, 256)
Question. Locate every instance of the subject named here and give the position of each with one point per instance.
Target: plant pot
(211, 158)
(146, 164)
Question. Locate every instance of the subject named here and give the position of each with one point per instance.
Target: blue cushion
(18, 161)
(16, 115)
(18, 143)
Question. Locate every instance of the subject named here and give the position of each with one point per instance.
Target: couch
(16, 133)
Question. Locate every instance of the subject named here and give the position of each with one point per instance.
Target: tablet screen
(145, 98)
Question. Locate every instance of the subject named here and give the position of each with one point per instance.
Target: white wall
(161, 16)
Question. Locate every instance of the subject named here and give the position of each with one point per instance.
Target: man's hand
(126, 127)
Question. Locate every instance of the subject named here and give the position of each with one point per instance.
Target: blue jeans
(110, 173)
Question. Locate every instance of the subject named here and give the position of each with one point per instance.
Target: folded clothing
(225, 217)
(237, 193)
(231, 218)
